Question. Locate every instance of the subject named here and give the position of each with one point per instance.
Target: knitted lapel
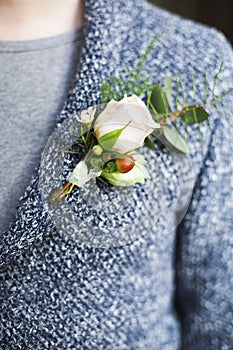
(31, 221)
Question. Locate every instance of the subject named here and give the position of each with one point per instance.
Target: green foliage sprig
(160, 99)
(135, 82)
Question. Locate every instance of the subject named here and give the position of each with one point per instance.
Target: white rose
(86, 116)
(81, 174)
(137, 175)
(131, 114)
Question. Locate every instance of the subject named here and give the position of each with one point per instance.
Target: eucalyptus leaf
(158, 100)
(194, 115)
(168, 92)
(175, 139)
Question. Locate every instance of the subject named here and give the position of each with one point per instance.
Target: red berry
(125, 163)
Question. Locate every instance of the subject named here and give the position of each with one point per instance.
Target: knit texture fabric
(60, 293)
(45, 67)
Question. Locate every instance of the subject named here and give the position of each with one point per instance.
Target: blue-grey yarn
(60, 294)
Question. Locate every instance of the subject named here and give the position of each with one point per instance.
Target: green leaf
(149, 143)
(175, 139)
(168, 92)
(194, 115)
(108, 140)
(158, 100)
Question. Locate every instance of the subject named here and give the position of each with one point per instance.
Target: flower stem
(62, 193)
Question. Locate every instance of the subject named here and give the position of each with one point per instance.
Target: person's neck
(35, 19)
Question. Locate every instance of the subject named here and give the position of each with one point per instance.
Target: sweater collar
(104, 31)
(102, 27)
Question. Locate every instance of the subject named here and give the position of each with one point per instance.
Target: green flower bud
(97, 150)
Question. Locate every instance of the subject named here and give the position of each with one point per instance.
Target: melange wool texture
(162, 290)
(43, 73)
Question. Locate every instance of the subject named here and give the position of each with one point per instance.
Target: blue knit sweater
(160, 288)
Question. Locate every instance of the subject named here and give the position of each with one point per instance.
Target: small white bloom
(86, 116)
(81, 174)
(130, 113)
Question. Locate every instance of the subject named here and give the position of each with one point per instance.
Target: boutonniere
(132, 113)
